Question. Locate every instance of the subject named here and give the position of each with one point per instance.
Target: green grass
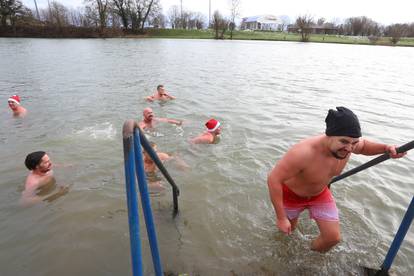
(274, 36)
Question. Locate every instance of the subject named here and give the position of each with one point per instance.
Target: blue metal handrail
(133, 138)
(399, 237)
(133, 219)
(146, 205)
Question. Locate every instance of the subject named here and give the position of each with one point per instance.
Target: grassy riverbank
(274, 36)
(76, 32)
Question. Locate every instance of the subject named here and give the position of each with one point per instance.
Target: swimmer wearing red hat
(210, 136)
(14, 104)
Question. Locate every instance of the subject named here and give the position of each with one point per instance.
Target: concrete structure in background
(262, 23)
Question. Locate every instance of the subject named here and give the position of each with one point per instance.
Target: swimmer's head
(14, 101)
(213, 126)
(148, 114)
(160, 89)
(342, 122)
(38, 160)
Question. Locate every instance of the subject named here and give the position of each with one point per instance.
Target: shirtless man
(210, 136)
(14, 104)
(150, 167)
(149, 164)
(299, 180)
(40, 179)
(149, 120)
(160, 94)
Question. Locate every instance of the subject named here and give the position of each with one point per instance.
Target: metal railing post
(133, 219)
(146, 205)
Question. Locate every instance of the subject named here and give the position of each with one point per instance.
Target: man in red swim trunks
(299, 180)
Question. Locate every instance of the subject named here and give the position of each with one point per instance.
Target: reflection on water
(268, 96)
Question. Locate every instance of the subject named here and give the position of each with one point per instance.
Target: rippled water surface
(268, 96)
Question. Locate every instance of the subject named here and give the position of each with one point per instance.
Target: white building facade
(261, 23)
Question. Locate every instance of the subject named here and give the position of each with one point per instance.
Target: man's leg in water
(329, 235)
(293, 223)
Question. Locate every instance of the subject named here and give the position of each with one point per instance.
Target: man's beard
(335, 154)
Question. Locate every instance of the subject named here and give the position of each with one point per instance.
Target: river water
(267, 95)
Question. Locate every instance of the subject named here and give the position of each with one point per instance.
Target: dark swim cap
(342, 122)
(33, 159)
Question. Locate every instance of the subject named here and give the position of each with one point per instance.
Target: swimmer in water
(15, 106)
(160, 94)
(40, 180)
(151, 168)
(149, 121)
(211, 135)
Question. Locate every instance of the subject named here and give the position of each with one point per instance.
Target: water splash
(103, 131)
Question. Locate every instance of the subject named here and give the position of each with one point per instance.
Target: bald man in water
(300, 179)
(149, 120)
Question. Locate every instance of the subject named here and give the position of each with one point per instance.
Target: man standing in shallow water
(14, 104)
(149, 120)
(160, 94)
(300, 179)
(40, 179)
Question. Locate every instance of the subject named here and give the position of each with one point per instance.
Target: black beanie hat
(33, 159)
(342, 122)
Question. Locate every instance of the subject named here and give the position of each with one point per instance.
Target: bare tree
(91, 17)
(219, 25)
(320, 21)
(396, 31)
(102, 12)
(198, 20)
(159, 21)
(234, 13)
(304, 24)
(362, 25)
(174, 16)
(56, 15)
(121, 7)
(101, 7)
(284, 22)
(410, 30)
(140, 11)
(10, 9)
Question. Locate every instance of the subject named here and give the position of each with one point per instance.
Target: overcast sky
(384, 12)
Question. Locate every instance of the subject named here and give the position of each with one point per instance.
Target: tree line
(133, 16)
(356, 26)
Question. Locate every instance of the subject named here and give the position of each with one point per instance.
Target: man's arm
(367, 147)
(150, 98)
(171, 121)
(202, 139)
(289, 166)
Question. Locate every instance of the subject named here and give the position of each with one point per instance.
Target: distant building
(326, 28)
(261, 23)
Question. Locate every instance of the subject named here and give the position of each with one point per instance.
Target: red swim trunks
(322, 206)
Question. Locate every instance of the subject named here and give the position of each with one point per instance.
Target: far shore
(76, 32)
